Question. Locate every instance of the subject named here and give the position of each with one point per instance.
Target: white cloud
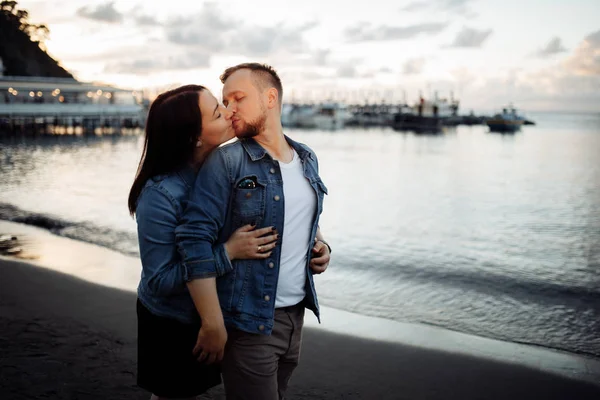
(415, 6)
(102, 13)
(572, 84)
(586, 59)
(204, 28)
(468, 37)
(414, 66)
(554, 46)
(321, 56)
(212, 29)
(149, 64)
(347, 71)
(396, 49)
(146, 20)
(452, 6)
(362, 32)
(457, 6)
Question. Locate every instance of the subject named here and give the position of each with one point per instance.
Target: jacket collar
(188, 175)
(256, 151)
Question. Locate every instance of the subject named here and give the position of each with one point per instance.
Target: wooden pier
(54, 106)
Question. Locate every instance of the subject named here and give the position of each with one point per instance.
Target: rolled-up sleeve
(203, 217)
(164, 273)
(156, 222)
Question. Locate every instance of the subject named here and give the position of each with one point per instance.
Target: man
(264, 179)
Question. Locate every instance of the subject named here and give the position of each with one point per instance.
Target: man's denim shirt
(162, 288)
(218, 205)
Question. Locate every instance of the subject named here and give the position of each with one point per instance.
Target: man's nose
(228, 113)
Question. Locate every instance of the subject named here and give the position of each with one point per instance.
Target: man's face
(246, 103)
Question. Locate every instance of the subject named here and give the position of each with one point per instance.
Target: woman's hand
(212, 336)
(246, 242)
(211, 343)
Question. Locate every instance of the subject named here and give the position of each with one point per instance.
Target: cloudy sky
(538, 54)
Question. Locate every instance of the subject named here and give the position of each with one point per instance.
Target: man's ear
(272, 98)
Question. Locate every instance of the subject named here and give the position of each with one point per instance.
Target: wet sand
(63, 337)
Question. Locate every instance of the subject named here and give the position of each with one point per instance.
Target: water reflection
(491, 234)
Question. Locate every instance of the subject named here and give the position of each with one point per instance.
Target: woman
(183, 126)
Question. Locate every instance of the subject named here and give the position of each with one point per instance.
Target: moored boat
(508, 120)
(427, 116)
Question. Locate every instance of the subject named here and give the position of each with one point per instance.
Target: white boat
(27, 102)
(331, 116)
(297, 115)
(319, 116)
(367, 115)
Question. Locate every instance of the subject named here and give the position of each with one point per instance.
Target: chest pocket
(249, 201)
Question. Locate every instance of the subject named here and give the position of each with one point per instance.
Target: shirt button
(261, 327)
(272, 170)
(267, 298)
(276, 198)
(248, 195)
(271, 265)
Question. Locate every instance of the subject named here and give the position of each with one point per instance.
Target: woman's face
(216, 121)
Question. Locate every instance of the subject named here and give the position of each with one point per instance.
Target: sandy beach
(65, 337)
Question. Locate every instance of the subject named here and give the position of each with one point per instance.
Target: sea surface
(496, 235)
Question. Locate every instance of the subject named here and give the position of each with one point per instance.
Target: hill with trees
(22, 49)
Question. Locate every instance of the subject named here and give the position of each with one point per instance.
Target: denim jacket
(162, 288)
(218, 205)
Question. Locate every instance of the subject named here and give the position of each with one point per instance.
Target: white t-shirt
(300, 207)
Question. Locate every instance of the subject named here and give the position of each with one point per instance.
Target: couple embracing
(229, 240)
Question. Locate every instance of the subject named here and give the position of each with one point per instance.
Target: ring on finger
(259, 248)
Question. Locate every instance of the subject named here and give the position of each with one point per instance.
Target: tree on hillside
(9, 6)
(37, 33)
(22, 48)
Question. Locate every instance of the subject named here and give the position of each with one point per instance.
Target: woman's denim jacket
(162, 288)
(240, 183)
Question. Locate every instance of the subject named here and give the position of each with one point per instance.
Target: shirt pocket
(248, 201)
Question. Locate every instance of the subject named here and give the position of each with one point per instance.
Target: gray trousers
(259, 367)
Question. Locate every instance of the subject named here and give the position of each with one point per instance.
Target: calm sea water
(490, 234)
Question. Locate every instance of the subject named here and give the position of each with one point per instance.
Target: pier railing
(70, 110)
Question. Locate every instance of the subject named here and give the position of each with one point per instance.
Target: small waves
(121, 241)
(517, 285)
(496, 301)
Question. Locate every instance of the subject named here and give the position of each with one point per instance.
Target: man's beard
(253, 128)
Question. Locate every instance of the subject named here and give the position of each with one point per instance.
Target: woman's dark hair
(173, 125)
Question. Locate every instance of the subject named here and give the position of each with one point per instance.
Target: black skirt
(166, 365)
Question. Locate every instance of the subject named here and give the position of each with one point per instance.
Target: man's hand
(210, 345)
(320, 259)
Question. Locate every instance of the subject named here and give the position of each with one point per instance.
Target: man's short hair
(265, 76)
